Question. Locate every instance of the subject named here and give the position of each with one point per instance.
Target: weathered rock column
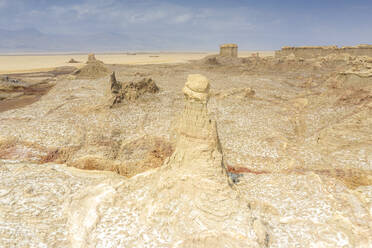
(198, 145)
(189, 199)
(229, 50)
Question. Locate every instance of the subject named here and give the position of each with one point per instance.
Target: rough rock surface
(195, 205)
(115, 89)
(73, 61)
(321, 51)
(230, 50)
(18, 90)
(298, 150)
(115, 85)
(92, 70)
(221, 60)
(131, 90)
(92, 58)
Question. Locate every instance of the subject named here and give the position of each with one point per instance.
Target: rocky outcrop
(358, 77)
(304, 152)
(115, 85)
(93, 70)
(189, 199)
(17, 92)
(73, 61)
(11, 88)
(229, 50)
(115, 89)
(92, 58)
(322, 51)
(197, 131)
(218, 60)
(131, 90)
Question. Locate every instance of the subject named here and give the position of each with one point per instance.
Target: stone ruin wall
(321, 51)
(229, 50)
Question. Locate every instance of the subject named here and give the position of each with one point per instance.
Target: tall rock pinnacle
(198, 148)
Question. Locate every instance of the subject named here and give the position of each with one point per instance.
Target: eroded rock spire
(198, 147)
(187, 202)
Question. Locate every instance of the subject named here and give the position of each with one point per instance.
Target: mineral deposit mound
(92, 58)
(131, 90)
(73, 61)
(93, 70)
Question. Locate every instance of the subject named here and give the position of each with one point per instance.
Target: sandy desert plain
(185, 150)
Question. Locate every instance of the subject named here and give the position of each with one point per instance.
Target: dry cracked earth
(256, 152)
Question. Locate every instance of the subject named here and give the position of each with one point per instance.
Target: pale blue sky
(120, 25)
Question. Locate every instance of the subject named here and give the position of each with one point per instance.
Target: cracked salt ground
(306, 168)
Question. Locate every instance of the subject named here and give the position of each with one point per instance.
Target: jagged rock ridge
(131, 90)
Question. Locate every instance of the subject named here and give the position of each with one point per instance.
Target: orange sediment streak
(238, 170)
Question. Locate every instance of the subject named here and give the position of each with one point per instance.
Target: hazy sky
(181, 25)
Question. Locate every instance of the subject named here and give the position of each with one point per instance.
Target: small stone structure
(229, 50)
(307, 52)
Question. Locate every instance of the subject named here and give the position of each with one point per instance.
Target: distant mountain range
(32, 40)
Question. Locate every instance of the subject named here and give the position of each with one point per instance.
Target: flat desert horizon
(39, 62)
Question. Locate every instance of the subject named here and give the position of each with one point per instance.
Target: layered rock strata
(229, 50)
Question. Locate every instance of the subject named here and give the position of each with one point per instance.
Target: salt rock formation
(188, 202)
(131, 90)
(12, 88)
(218, 60)
(197, 132)
(229, 50)
(321, 51)
(126, 159)
(7, 79)
(115, 88)
(73, 61)
(93, 70)
(358, 77)
(91, 58)
(228, 56)
(115, 85)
